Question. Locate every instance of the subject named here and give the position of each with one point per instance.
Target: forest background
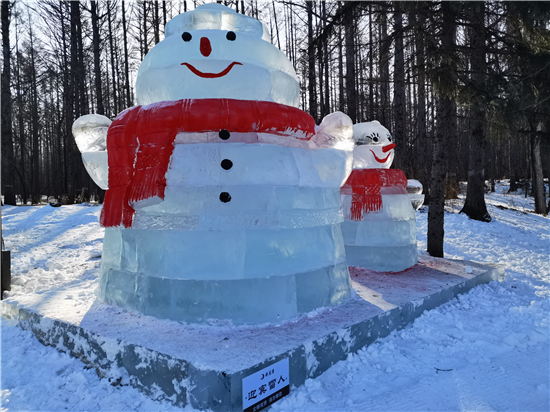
(464, 87)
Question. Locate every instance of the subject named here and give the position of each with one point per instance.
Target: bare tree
(446, 110)
(8, 158)
(474, 206)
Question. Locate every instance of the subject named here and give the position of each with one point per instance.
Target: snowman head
(374, 147)
(214, 52)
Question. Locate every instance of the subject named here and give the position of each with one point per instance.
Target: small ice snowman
(374, 147)
(223, 197)
(380, 226)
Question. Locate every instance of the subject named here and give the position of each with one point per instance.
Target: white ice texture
(414, 186)
(414, 189)
(370, 138)
(335, 131)
(262, 72)
(90, 133)
(279, 236)
(384, 240)
(214, 16)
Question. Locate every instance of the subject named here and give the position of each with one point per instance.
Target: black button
(224, 134)
(225, 197)
(227, 164)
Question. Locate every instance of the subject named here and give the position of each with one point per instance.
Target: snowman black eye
(186, 36)
(389, 138)
(374, 138)
(231, 36)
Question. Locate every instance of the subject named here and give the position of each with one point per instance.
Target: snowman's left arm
(334, 132)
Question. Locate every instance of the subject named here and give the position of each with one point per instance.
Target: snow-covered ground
(488, 350)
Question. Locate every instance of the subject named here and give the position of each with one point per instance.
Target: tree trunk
(421, 137)
(35, 133)
(112, 54)
(341, 100)
(156, 21)
(351, 90)
(384, 59)
(22, 172)
(97, 65)
(276, 24)
(445, 108)
(126, 68)
(311, 63)
(371, 65)
(326, 58)
(474, 206)
(399, 132)
(145, 41)
(80, 74)
(8, 157)
(537, 177)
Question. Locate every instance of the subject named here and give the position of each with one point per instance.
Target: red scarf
(364, 185)
(140, 142)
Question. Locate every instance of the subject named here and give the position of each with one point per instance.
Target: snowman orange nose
(206, 47)
(387, 148)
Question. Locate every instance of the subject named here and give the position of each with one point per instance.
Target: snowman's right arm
(334, 132)
(90, 133)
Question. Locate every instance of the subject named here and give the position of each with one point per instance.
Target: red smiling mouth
(210, 75)
(380, 160)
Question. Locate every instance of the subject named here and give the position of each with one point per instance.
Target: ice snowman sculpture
(380, 226)
(223, 198)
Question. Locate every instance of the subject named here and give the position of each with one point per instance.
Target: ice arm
(334, 132)
(90, 133)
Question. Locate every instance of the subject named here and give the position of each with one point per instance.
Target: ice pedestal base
(247, 277)
(204, 366)
(381, 245)
(243, 301)
(382, 258)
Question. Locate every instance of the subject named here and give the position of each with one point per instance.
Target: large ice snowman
(223, 198)
(380, 226)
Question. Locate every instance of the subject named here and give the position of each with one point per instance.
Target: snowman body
(379, 227)
(223, 199)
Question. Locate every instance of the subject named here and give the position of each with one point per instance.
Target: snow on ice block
(203, 366)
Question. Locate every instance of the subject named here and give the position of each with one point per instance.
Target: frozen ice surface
(256, 164)
(244, 301)
(247, 276)
(383, 240)
(216, 16)
(270, 187)
(235, 64)
(335, 131)
(278, 236)
(379, 233)
(96, 164)
(250, 206)
(414, 186)
(382, 258)
(216, 255)
(417, 200)
(90, 132)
